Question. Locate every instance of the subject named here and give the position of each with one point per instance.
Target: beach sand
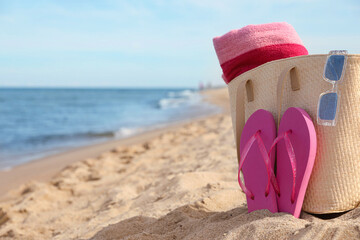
(177, 183)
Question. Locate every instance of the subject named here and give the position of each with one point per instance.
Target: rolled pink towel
(251, 46)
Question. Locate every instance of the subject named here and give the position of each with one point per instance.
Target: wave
(41, 139)
(120, 133)
(176, 99)
(127, 132)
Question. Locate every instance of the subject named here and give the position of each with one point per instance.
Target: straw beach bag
(297, 82)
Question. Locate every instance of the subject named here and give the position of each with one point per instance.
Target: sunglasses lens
(334, 67)
(327, 106)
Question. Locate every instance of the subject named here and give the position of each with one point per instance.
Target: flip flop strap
(271, 176)
(292, 158)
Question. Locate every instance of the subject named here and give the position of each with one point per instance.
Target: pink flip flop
(296, 150)
(255, 163)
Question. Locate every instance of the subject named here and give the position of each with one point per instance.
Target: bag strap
(245, 85)
(295, 85)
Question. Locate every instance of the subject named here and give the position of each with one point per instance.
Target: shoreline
(168, 107)
(44, 168)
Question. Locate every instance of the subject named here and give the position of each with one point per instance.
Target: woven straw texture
(335, 181)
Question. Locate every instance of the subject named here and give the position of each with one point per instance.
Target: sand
(180, 183)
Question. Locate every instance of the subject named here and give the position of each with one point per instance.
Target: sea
(38, 122)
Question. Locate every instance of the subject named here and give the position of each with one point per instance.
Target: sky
(149, 43)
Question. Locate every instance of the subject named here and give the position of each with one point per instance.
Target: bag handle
(245, 85)
(295, 85)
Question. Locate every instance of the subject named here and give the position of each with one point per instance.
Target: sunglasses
(334, 72)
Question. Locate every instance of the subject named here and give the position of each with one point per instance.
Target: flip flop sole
(303, 140)
(254, 168)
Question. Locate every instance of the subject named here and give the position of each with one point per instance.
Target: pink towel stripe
(259, 56)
